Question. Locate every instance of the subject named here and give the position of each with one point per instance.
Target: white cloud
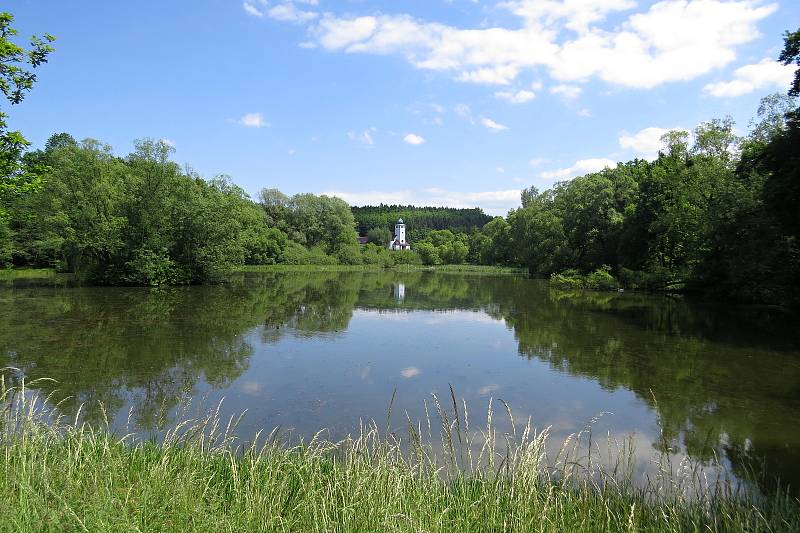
(746, 79)
(538, 161)
(493, 202)
(670, 40)
(288, 12)
(585, 112)
(414, 139)
(584, 166)
(519, 97)
(251, 9)
(336, 34)
(575, 15)
(365, 137)
(410, 372)
(645, 143)
(253, 120)
(567, 91)
(488, 389)
(501, 75)
(251, 388)
(500, 170)
(491, 125)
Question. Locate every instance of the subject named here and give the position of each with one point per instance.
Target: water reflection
(323, 349)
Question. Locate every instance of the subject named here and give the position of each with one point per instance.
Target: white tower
(400, 231)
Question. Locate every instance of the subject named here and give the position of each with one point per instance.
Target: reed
(443, 474)
(463, 268)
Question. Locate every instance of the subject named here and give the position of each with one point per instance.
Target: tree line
(715, 212)
(420, 221)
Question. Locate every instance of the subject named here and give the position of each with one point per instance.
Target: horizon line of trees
(716, 213)
(377, 221)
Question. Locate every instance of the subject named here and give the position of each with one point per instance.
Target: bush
(379, 236)
(349, 254)
(454, 252)
(372, 254)
(152, 267)
(568, 279)
(427, 253)
(406, 257)
(264, 246)
(601, 279)
(297, 254)
(654, 278)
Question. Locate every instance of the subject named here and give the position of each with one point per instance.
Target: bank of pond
(59, 475)
(694, 397)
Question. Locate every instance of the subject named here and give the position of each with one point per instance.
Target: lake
(312, 350)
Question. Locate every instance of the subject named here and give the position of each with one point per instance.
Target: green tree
(498, 249)
(791, 54)
(16, 80)
(454, 252)
(427, 253)
(379, 236)
(539, 239)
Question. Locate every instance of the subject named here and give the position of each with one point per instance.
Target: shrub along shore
(61, 475)
(50, 277)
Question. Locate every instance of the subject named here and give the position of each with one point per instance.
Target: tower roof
(400, 221)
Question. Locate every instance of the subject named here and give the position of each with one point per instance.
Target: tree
(379, 236)
(715, 138)
(427, 253)
(15, 81)
(539, 239)
(499, 248)
(454, 252)
(276, 207)
(324, 221)
(772, 112)
(791, 54)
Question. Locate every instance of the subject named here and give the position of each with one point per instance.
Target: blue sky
(459, 102)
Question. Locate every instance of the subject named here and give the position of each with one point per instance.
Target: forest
(715, 213)
(419, 220)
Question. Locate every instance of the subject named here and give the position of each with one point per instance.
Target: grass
(467, 269)
(10, 275)
(32, 277)
(57, 475)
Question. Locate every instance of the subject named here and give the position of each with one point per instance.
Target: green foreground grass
(59, 476)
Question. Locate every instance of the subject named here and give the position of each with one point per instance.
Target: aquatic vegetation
(60, 474)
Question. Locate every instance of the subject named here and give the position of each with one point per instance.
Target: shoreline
(61, 474)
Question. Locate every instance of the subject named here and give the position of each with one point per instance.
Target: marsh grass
(465, 268)
(443, 475)
(16, 276)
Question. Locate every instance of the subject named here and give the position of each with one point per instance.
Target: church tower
(400, 231)
(399, 242)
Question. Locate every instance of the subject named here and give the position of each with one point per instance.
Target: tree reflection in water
(722, 381)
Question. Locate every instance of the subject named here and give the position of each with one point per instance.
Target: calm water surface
(306, 351)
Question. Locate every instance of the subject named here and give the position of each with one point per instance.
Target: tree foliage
(420, 220)
(16, 80)
(717, 215)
